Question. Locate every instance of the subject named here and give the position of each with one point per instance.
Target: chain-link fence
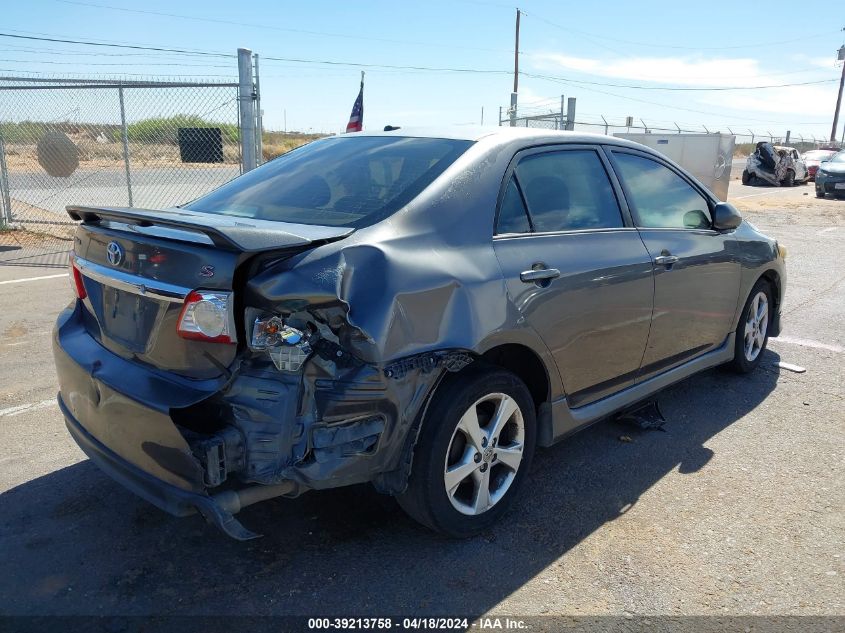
(123, 143)
(549, 117)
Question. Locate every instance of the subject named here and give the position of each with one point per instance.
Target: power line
(675, 88)
(181, 64)
(463, 70)
(254, 25)
(130, 46)
(710, 113)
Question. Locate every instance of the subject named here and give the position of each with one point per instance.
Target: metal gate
(111, 143)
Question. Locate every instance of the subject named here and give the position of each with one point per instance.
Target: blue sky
(647, 43)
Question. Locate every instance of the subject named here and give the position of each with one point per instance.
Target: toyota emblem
(114, 252)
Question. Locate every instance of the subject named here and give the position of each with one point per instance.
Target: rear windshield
(349, 181)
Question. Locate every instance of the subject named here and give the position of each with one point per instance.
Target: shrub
(165, 129)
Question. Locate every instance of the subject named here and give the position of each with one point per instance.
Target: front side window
(659, 197)
(567, 190)
(350, 181)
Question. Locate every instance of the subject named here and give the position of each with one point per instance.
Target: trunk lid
(138, 265)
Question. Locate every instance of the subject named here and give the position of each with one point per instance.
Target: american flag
(356, 119)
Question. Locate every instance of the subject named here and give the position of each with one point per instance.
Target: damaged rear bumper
(214, 446)
(161, 494)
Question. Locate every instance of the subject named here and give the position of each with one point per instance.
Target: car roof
(501, 134)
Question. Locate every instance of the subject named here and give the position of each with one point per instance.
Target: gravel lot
(737, 508)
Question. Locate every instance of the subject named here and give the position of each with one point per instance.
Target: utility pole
(515, 71)
(840, 56)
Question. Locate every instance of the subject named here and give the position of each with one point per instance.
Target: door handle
(542, 274)
(665, 260)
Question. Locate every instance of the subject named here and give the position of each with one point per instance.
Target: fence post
(570, 113)
(500, 116)
(606, 126)
(124, 135)
(5, 200)
(562, 112)
(788, 134)
(246, 99)
(512, 109)
(259, 118)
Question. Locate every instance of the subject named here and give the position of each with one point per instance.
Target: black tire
(746, 177)
(819, 193)
(744, 363)
(426, 499)
(789, 181)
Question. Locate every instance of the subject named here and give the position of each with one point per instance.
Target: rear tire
(752, 333)
(467, 469)
(746, 177)
(819, 193)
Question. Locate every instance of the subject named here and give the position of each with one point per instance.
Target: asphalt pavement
(735, 508)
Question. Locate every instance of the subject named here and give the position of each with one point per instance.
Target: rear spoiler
(223, 231)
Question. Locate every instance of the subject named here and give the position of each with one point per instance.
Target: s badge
(207, 271)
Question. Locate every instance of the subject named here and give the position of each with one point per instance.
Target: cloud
(675, 70)
(805, 101)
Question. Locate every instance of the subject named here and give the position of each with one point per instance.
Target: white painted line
(790, 367)
(805, 342)
(828, 230)
(24, 408)
(754, 195)
(20, 281)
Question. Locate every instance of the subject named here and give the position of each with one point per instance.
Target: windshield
(349, 181)
(838, 158)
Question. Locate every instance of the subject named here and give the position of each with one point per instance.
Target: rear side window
(568, 190)
(513, 218)
(660, 198)
(350, 181)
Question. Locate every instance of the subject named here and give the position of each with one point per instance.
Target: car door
(800, 166)
(575, 267)
(696, 268)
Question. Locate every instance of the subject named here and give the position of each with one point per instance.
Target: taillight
(207, 316)
(76, 281)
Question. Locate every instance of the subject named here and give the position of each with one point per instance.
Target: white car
(775, 165)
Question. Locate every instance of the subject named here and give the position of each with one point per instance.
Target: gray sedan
(415, 309)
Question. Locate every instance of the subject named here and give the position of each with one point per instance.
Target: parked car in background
(830, 177)
(414, 309)
(814, 158)
(774, 165)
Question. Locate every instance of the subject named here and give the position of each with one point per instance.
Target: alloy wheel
(756, 326)
(484, 454)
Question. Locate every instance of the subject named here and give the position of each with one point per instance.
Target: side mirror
(726, 217)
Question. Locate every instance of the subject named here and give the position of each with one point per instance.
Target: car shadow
(80, 544)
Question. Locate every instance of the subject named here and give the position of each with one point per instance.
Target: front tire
(476, 446)
(752, 333)
(789, 181)
(746, 177)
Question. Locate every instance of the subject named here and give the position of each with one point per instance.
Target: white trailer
(708, 157)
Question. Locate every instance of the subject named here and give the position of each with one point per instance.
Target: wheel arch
(534, 367)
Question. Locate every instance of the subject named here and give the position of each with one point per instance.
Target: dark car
(814, 158)
(830, 178)
(418, 310)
